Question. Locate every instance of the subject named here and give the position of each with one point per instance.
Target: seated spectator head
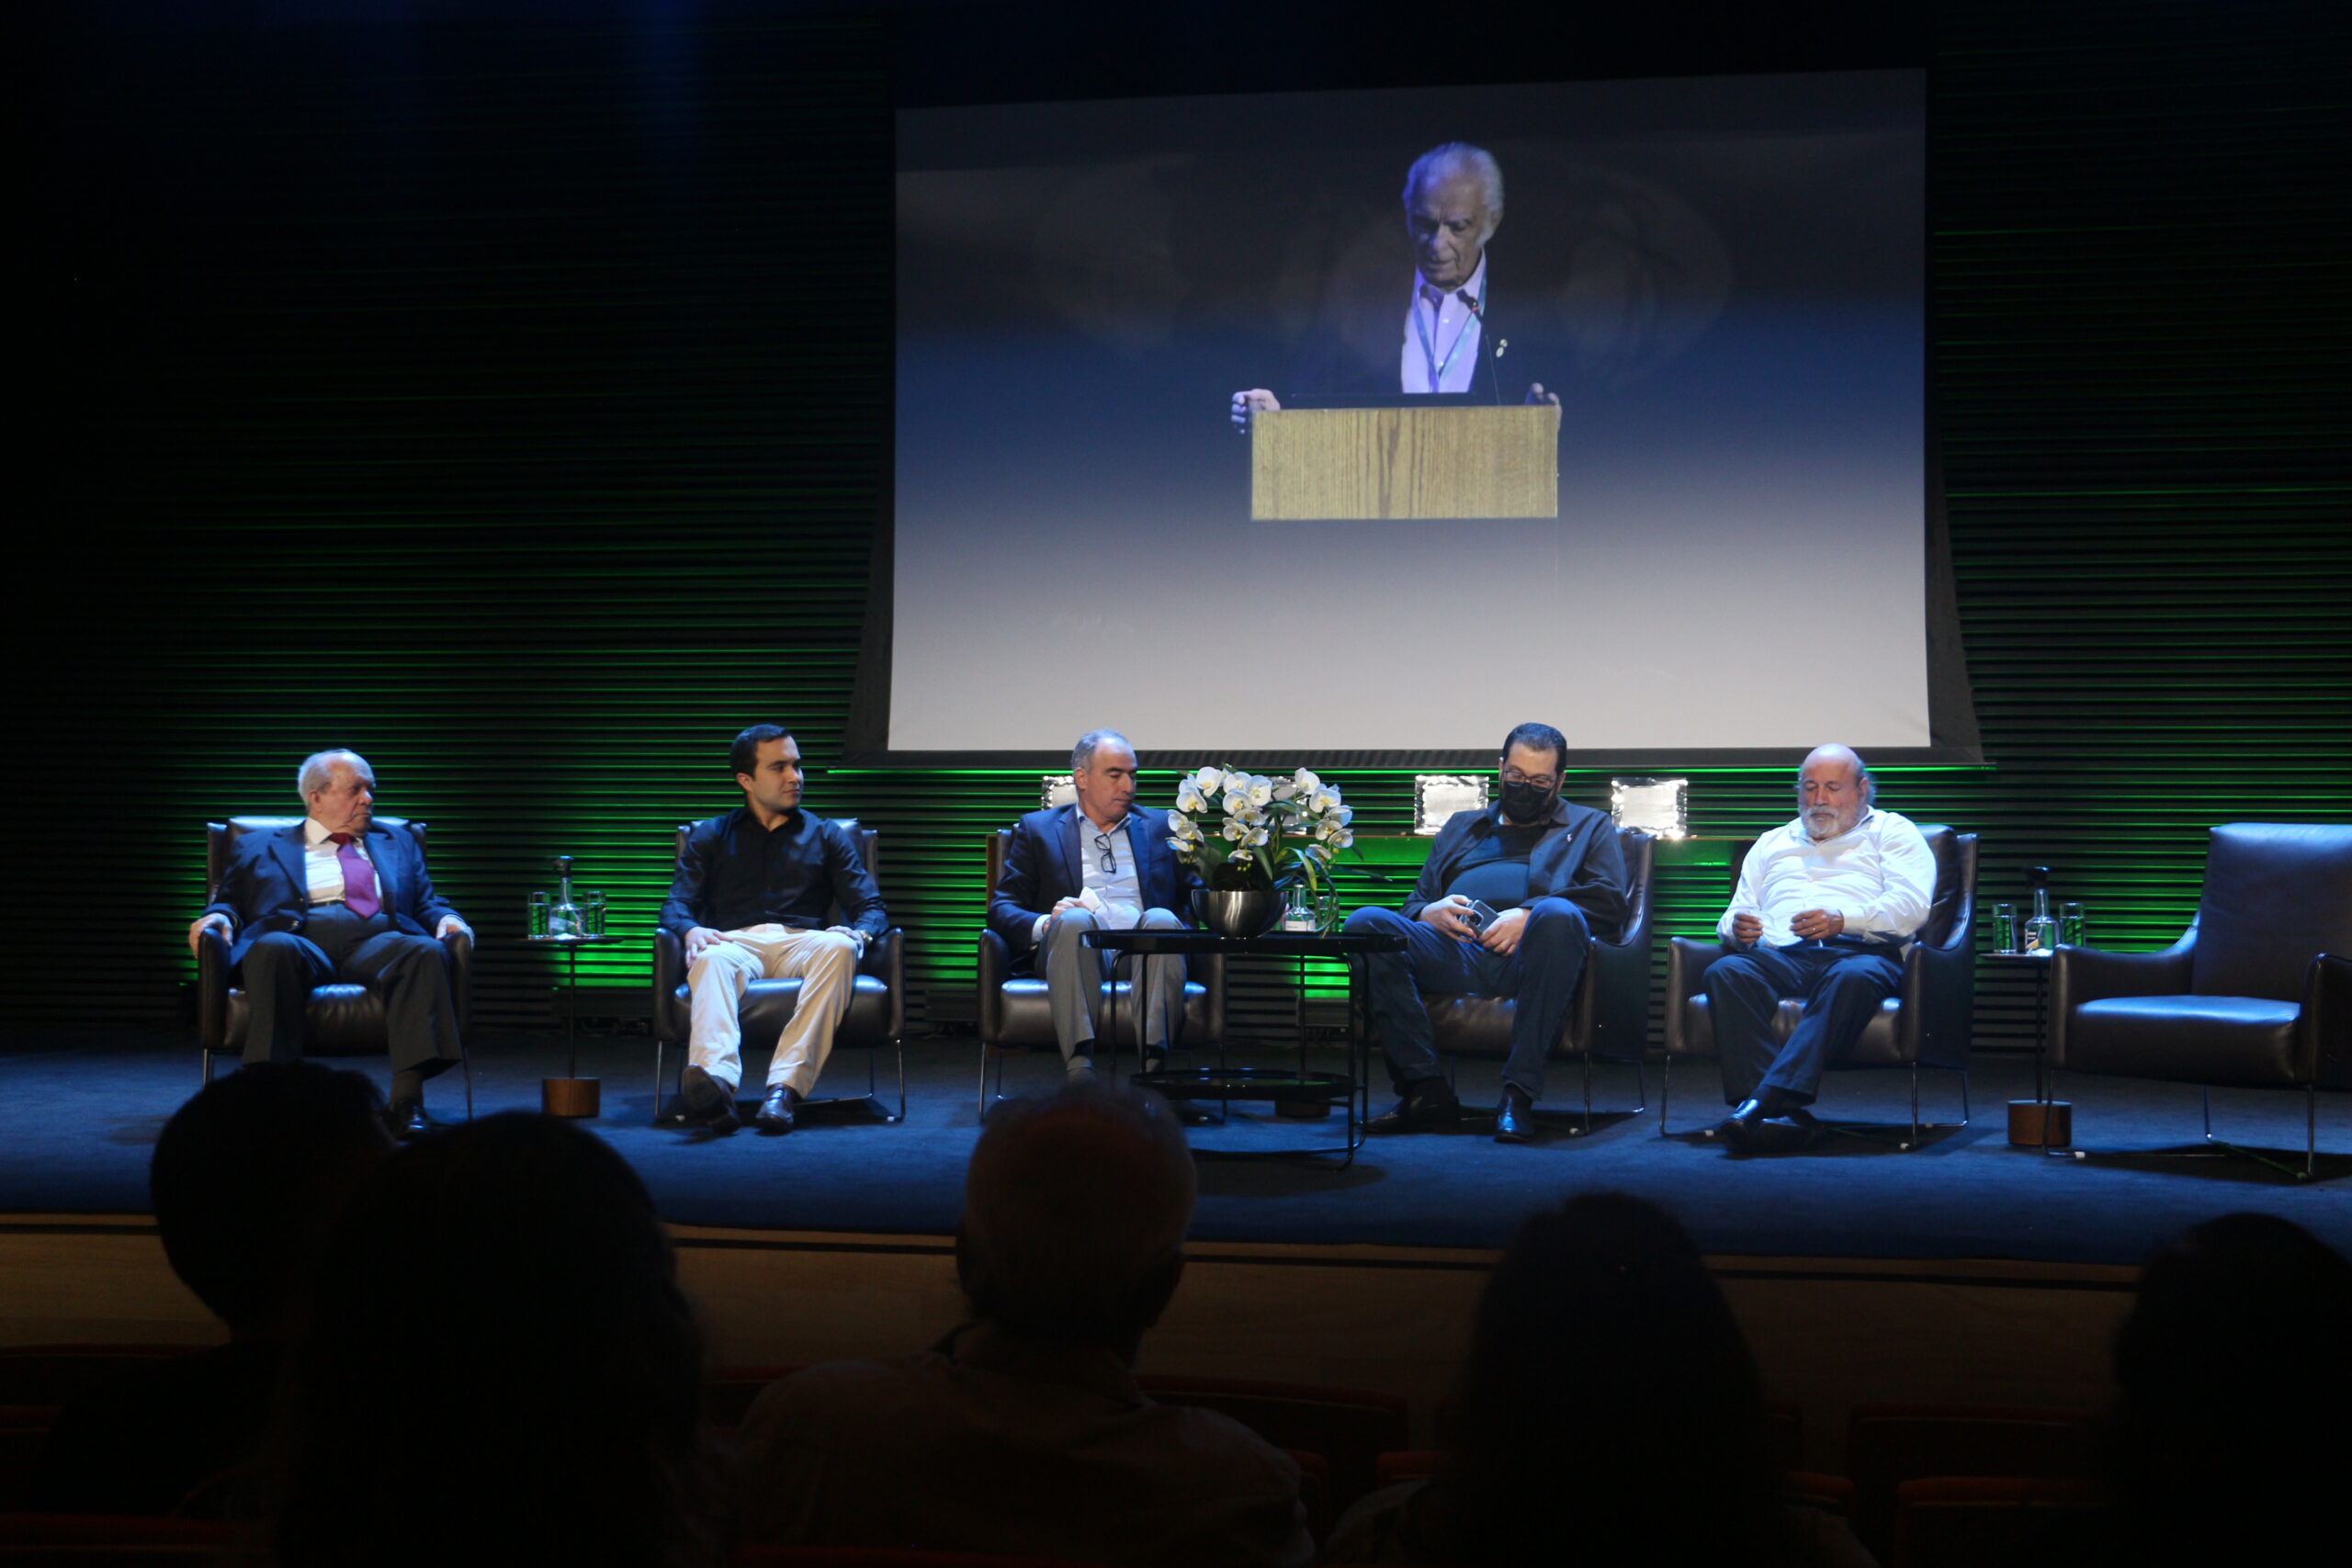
(2233, 1374)
(501, 1367)
(1608, 1377)
(249, 1175)
(1075, 1210)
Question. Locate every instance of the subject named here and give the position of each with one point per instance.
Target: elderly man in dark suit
(1095, 865)
(338, 897)
(1444, 336)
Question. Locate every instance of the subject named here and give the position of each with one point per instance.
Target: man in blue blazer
(339, 898)
(1096, 865)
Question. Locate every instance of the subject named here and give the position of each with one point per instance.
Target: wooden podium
(1405, 462)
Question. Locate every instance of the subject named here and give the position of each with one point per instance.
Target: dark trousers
(1541, 976)
(411, 973)
(1841, 982)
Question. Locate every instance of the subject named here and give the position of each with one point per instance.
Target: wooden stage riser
(1828, 1332)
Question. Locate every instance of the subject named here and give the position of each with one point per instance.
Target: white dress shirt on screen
(1879, 874)
(1442, 335)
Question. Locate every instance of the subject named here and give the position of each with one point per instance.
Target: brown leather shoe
(709, 1104)
(775, 1112)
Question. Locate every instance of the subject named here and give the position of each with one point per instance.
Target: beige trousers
(825, 963)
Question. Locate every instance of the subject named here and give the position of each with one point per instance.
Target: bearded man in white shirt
(1824, 906)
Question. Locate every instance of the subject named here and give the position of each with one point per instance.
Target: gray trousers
(1074, 975)
(412, 972)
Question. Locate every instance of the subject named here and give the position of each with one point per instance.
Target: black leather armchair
(345, 1019)
(877, 1004)
(1014, 1014)
(2256, 993)
(1611, 1016)
(1926, 1023)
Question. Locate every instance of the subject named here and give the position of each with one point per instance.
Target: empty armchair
(2256, 993)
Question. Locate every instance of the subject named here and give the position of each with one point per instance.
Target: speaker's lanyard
(1429, 347)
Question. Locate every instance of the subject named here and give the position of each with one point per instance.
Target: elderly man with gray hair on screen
(1450, 339)
(1023, 1432)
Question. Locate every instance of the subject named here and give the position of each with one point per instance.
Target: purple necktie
(358, 878)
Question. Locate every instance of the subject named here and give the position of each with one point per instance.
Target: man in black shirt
(753, 893)
(1552, 873)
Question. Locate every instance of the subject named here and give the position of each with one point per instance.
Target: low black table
(1224, 1084)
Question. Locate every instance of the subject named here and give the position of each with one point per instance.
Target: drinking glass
(2005, 928)
(591, 912)
(538, 923)
(2070, 925)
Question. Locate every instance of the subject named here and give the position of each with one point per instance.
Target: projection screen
(1721, 280)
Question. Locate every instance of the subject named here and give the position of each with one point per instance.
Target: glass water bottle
(563, 917)
(2041, 931)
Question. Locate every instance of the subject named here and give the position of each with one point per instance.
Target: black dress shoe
(406, 1119)
(1423, 1106)
(708, 1105)
(1515, 1117)
(775, 1112)
(1737, 1128)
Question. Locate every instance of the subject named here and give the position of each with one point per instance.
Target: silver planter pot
(1237, 914)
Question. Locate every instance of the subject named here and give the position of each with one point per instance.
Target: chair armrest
(460, 945)
(995, 967)
(1938, 992)
(212, 988)
(2079, 974)
(2327, 1020)
(1617, 987)
(1686, 965)
(669, 968)
(885, 959)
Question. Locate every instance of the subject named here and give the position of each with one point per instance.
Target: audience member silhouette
(501, 1370)
(1610, 1414)
(1023, 1431)
(2227, 1439)
(246, 1181)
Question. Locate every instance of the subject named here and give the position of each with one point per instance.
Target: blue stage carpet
(81, 1114)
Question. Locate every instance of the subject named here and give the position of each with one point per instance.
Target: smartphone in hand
(1480, 915)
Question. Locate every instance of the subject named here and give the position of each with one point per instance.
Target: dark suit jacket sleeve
(234, 895)
(1022, 893)
(681, 912)
(1598, 884)
(854, 889)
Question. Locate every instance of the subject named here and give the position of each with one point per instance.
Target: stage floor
(81, 1114)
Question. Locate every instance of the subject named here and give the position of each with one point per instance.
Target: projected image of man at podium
(1453, 340)
(1504, 908)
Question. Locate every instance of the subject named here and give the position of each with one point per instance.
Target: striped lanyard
(1429, 348)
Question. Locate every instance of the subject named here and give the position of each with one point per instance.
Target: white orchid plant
(1242, 831)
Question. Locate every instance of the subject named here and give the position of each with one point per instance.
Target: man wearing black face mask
(1553, 873)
